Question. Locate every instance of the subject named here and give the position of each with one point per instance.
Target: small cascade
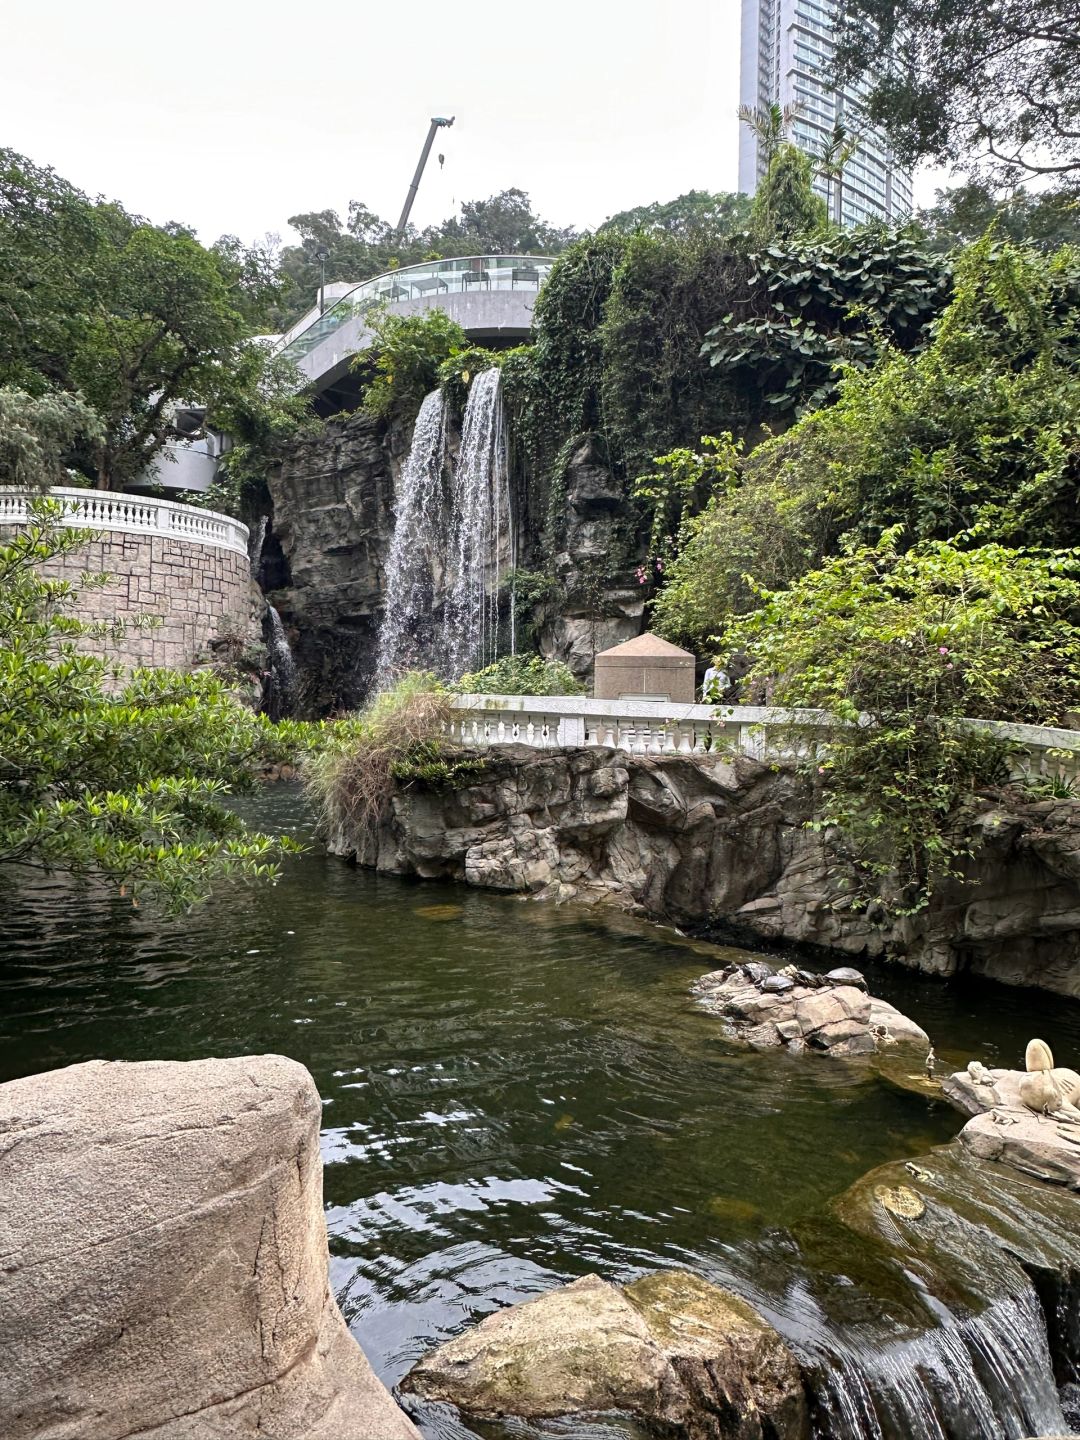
(282, 689)
(988, 1377)
(256, 540)
(482, 534)
(417, 561)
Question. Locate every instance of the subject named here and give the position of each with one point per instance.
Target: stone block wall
(194, 593)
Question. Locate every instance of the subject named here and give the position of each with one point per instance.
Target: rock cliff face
(333, 521)
(174, 1214)
(723, 844)
(333, 516)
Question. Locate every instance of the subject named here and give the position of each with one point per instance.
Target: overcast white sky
(233, 115)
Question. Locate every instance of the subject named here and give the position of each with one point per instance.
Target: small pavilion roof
(647, 644)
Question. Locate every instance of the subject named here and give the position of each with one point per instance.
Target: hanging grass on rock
(399, 736)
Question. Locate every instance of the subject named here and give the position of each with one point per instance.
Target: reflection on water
(514, 1094)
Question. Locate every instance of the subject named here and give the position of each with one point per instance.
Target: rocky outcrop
(1009, 1125)
(174, 1212)
(722, 844)
(600, 601)
(333, 516)
(799, 1011)
(333, 521)
(689, 1360)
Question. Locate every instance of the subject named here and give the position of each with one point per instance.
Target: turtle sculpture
(1046, 1090)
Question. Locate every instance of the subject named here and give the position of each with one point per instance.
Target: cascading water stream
(482, 534)
(451, 542)
(283, 686)
(256, 540)
(417, 561)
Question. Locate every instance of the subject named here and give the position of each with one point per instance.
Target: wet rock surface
(722, 843)
(174, 1212)
(688, 1359)
(798, 1010)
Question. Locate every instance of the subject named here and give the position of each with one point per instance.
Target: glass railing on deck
(413, 282)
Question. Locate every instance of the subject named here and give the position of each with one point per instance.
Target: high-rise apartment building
(787, 49)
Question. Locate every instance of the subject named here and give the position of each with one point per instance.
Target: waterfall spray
(283, 687)
(417, 560)
(482, 532)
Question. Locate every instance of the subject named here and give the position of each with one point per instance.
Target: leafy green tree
(722, 213)
(767, 529)
(904, 648)
(124, 779)
(785, 206)
(39, 434)
(962, 215)
(809, 306)
(132, 317)
(405, 358)
(504, 224)
(998, 82)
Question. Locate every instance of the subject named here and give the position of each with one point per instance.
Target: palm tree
(835, 154)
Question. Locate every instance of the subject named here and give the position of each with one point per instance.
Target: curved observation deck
(490, 296)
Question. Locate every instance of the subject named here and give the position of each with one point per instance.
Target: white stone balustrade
(645, 727)
(109, 510)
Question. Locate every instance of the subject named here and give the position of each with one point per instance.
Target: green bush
(904, 648)
(122, 777)
(406, 355)
(521, 675)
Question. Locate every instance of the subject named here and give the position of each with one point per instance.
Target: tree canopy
(997, 84)
(366, 245)
(131, 317)
(721, 212)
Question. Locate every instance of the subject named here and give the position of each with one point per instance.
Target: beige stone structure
(645, 668)
(178, 577)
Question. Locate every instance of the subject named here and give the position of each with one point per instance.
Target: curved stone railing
(647, 727)
(109, 510)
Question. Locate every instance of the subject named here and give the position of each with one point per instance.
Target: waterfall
(282, 696)
(481, 537)
(987, 1377)
(451, 542)
(256, 540)
(416, 564)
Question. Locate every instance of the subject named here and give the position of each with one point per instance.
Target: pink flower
(821, 769)
(950, 666)
(943, 650)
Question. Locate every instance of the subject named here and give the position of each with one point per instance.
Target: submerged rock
(834, 1014)
(177, 1210)
(684, 1357)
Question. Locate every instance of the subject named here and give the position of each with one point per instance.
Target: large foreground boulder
(163, 1262)
(691, 1361)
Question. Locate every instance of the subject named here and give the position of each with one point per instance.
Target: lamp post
(322, 255)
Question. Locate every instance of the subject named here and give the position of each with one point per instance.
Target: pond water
(514, 1094)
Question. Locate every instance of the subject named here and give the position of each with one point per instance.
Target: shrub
(353, 774)
(409, 351)
(522, 675)
(904, 649)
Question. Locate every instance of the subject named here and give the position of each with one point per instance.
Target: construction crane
(437, 122)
